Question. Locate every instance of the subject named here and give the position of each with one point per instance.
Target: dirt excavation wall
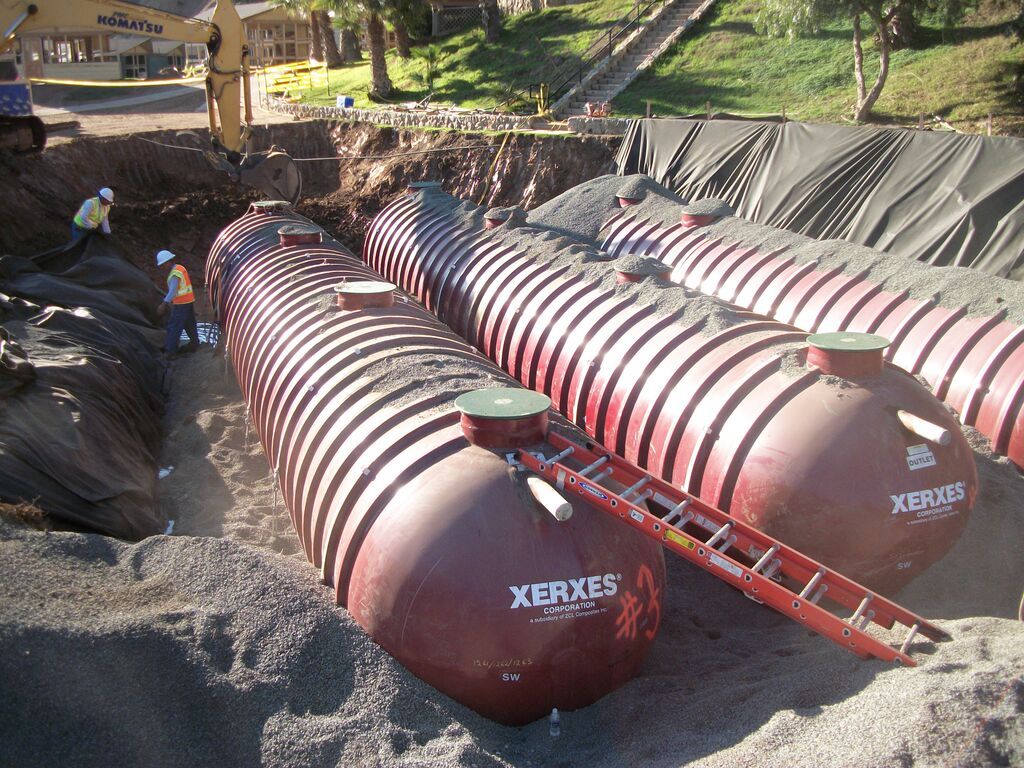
(173, 199)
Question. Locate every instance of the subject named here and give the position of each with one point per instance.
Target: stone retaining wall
(451, 120)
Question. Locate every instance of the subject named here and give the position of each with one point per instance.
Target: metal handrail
(602, 48)
(564, 78)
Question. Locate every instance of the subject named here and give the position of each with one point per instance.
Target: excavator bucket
(274, 173)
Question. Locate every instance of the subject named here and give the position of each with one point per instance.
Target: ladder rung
(860, 609)
(677, 511)
(643, 497)
(635, 487)
(910, 637)
(817, 595)
(813, 582)
(865, 620)
(772, 569)
(724, 545)
(601, 475)
(719, 535)
(588, 469)
(559, 456)
(765, 558)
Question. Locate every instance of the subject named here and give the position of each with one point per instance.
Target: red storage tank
(434, 544)
(961, 330)
(715, 400)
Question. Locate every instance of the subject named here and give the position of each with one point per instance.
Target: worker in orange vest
(92, 215)
(182, 302)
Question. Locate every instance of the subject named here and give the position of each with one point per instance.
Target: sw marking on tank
(929, 498)
(555, 592)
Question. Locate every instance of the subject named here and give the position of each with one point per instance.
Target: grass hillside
(474, 74)
(977, 71)
(960, 77)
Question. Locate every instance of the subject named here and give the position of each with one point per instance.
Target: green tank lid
(502, 403)
(364, 287)
(423, 185)
(270, 205)
(848, 342)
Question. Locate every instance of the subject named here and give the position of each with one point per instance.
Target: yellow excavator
(227, 79)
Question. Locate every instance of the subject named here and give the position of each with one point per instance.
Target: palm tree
(402, 42)
(324, 46)
(376, 36)
(374, 12)
(330, 44)
(491, 20)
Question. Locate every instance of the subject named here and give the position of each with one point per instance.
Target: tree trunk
(330, 45)
(858, 59)
(865, 102)
(402, 42)
(350, 45)
(491, 19)
(380, 83)
(902, 29)
(316, 50)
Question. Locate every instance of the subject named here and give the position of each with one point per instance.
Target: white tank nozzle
(549, 498)
(925, 429)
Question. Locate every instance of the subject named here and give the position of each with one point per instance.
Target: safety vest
(95, 216)
(184, 294)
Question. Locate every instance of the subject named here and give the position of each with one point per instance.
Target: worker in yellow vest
(182, 302)
(92, 215)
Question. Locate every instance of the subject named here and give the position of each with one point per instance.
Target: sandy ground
(123, 116)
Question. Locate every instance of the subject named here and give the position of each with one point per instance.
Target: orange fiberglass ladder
(723, 545)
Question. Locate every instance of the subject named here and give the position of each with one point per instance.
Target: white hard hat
(107, 194)
(164, 256)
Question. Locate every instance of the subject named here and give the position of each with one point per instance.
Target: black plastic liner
(939, 198)
(81, 390)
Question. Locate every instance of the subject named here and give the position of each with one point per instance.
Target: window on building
(135, 66)
(195, 54)
(80, 48)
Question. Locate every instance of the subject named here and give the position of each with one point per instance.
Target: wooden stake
(989, 123)
(648, 109)
(920, 121)
(707, 108)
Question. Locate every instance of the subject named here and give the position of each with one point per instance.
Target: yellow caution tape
(119, 83)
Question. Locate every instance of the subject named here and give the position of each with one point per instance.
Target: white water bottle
(556, 723)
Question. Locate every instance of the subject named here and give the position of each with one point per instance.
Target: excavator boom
(227, 80)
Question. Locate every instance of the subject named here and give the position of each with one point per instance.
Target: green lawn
(724, 62)
(473, 74)
(976, 72)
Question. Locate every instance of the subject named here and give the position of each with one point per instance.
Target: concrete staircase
(637, 52)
